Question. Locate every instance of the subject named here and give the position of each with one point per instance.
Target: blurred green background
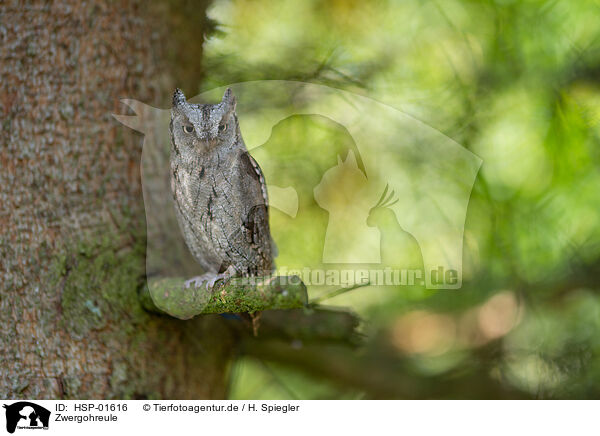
(515, 82)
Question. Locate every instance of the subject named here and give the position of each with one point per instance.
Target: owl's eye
(188, 129)
(222, 127)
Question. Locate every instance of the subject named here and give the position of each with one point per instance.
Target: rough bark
(71, 218)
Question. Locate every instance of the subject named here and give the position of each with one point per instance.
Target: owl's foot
(210, 278)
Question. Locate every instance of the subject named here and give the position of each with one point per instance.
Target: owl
(219, 191)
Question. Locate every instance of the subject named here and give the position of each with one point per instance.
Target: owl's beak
(202, 136)
(204, 140)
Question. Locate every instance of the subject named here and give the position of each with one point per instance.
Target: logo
(26, 415)
(358, 188)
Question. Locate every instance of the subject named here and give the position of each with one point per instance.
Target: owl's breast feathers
(223, 208)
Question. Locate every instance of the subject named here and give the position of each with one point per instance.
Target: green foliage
(517, 83)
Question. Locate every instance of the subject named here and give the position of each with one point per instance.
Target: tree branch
(321, 324)
(236, 295)
(379, 374)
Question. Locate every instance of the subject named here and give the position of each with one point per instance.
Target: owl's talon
(210, 283)
(196, 281)
(210, 278)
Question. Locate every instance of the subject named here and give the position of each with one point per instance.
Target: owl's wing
(253, 170)
(263, 190)
(256, 223)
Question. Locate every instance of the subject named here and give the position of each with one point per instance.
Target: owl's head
(203, 127)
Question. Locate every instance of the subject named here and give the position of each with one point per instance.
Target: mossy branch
(236, 295)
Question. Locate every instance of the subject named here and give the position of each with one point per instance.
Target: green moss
(149, 356)
(99, 284)
(236, 295)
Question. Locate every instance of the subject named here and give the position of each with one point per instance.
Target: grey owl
(219, 191)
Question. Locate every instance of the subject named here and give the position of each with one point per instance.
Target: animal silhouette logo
(429, 175)
(359, 231)
(396, 244)
(26, 415)
(344, 193)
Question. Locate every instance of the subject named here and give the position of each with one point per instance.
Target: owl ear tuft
(178, 98)
(229, 99)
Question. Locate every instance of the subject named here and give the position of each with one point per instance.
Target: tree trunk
(72, 240)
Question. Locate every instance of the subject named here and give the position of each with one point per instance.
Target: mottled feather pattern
(218, 189)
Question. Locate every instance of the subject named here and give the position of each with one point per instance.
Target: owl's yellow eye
(188, 129)
(222, 127)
